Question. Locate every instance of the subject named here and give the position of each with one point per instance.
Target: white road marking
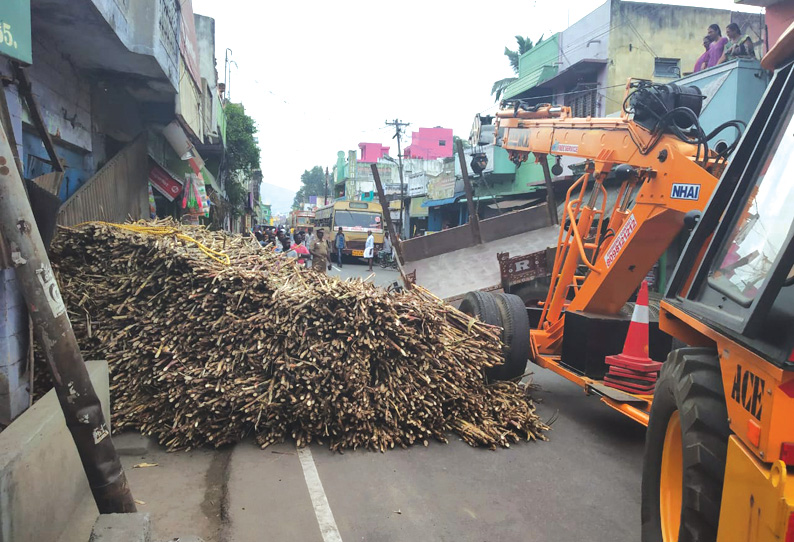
(322, 510)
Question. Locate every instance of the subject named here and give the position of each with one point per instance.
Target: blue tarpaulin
(440, 202)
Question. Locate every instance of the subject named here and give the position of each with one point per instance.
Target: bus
(355, 218)
(300, 220)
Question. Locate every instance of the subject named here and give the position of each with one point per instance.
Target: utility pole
(81, 408)
(474, 220)
(325, 197)
(398, 125)
(226, 72)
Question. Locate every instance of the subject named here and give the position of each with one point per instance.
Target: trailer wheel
(533, 292)
(685, 448)
(482, 305)
(515, 336)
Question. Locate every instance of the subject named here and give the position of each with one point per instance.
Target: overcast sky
(319, 77)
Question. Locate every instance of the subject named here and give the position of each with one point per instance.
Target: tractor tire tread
(483, 306)
(690, 383)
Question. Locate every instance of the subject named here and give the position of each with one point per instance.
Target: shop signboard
(417, 184)
(444, 186)
(15, 41)
(164, 182)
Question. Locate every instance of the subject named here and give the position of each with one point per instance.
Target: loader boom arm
(616, 246)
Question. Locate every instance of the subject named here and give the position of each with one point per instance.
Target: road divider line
(322, 510)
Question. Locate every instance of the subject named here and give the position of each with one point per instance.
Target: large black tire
(533, 292)
(515, 336)
(482, 305)
(689, 386)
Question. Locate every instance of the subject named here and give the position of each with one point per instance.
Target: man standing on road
(369, 249)
(319, 252)
(339, 243)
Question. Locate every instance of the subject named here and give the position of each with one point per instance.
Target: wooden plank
(25, 90)
(9, 129)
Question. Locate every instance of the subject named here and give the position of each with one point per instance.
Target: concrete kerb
(42, 481)
(122, 528)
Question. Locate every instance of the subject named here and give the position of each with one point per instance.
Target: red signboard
(164, 182)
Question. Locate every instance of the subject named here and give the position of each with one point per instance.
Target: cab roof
(782, 52)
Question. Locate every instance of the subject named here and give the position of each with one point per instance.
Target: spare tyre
(482, 306)
(515, 335)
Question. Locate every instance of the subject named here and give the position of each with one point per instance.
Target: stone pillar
(14, 343)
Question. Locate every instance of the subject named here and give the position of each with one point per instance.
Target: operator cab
(744, 283)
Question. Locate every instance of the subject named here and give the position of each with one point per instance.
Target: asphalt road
(583, 484)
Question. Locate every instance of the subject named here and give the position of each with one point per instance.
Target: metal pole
(551, 201)
(403, 226)
(79, 402)
(396, 243)
(325, 197)
(474, 220)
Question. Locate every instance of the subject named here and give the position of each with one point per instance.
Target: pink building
(430, 143)
(372, 152)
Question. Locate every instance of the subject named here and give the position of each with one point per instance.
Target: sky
(319, 77)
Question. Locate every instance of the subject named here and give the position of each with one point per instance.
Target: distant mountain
(280, 198)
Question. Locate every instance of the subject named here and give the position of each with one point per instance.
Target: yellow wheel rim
(671, 486)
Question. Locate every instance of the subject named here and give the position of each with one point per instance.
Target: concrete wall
(427, 143)
(205, 35)
(153, 32)
(43, 488)
(587, 39)
(641, 32)
(188, 102)
(63, 94)
(14, 343)
(372, 152)
(733, 90)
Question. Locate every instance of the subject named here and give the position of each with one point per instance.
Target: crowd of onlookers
(310, 247)
(719, 49)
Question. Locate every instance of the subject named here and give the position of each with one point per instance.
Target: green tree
(242, 149)
(524, 45)
(312, 184)
(242, 154)
(466, 144)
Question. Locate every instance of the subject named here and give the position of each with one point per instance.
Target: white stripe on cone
(640, 314)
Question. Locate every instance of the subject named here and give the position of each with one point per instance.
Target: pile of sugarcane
(210, 337)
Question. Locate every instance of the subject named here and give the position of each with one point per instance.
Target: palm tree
(524, 45)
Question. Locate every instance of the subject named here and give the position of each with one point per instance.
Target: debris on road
(210, 338)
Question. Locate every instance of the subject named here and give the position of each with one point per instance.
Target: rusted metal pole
(474, 220)
(387, 214)
(551, 201)
(79, 402)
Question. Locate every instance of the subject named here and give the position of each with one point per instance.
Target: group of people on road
(312, 248)
(719, 49)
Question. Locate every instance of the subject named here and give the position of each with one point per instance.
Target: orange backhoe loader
(719, 457)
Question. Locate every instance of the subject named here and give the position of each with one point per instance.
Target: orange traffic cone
(632, 370)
